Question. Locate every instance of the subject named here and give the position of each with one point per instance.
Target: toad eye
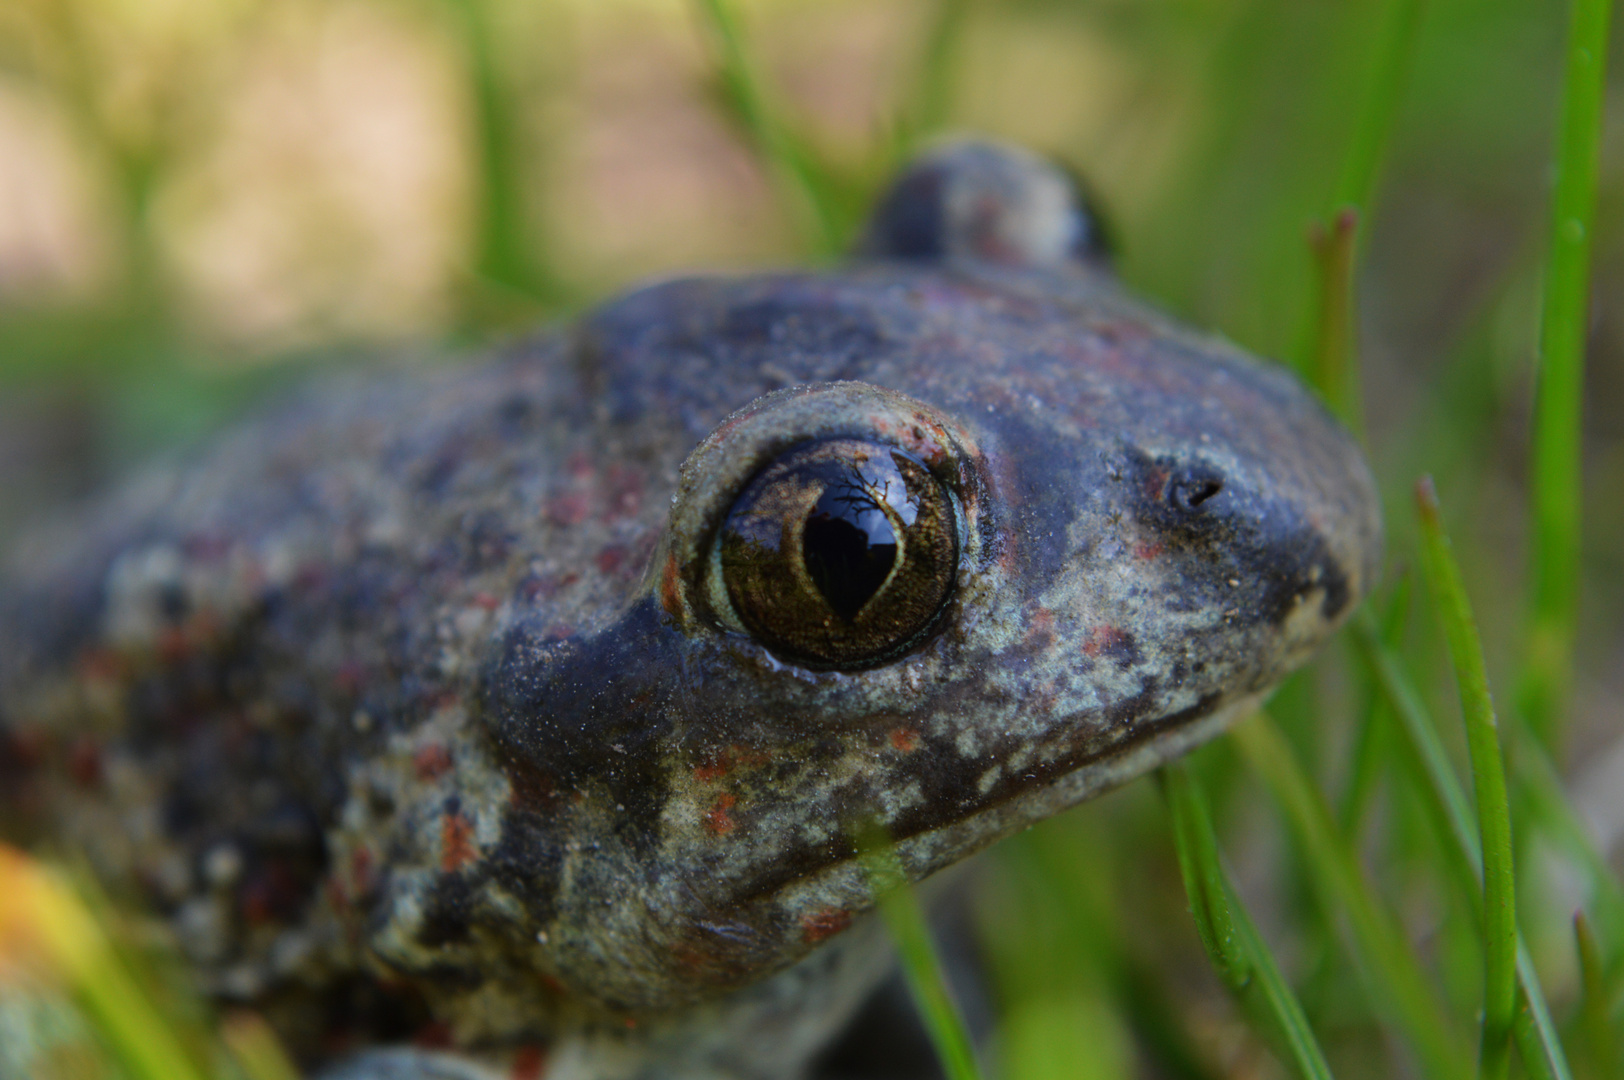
(840, 554)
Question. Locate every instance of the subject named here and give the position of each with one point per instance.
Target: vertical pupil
(848, 546)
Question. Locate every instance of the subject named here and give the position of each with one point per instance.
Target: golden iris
(841, 553)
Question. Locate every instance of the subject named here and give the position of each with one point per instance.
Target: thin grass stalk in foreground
(1595, 999)
(1499, 923)
(1547, 804)
(1535, 1034)
(1334, 353)
(927, 108)
(1555, 542)
(1398, 987)
(255, 1048)
(1331, 358)
(1237, 950)
(1390, 68)
(503, 256)
(1373, 736)
(899, 906)
(777, 149)
(38, 910)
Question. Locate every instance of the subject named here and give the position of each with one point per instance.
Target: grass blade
(1488, 782)
(1334, 354)
(1371, 742)
(1398, 986)
(255, 1048)
(1237, 950)
(1379, 105)
(1547, 804)
(1533, 1031)
(926, 110)
(1554, 542)
(1594, 1000)
(40, 914)
(742, 88)
(899, 906)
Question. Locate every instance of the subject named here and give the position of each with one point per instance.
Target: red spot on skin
(631, 1022)
(206, 547)
(905, 739)
(435, 1035)
(309, 577)
(100, 665)
(547, 586)
(26, 746)
(717, 818)
(203, 626)
(487, 601)
(85, 762)
(350, 677)
(1041, 627)
(824, 924)
(1143, 550)
(1118, 332)
(1102, 638)
(272, 893)
(690, 957)
(172, 645)
(555, 984)
(456, 843)
(610, 560)
(624, 486)
(431, 762)
(570, 508)
(670, 598)
(528, 1063)
(1155, 484)
(531, 788)
(361, 879)
(715, 767)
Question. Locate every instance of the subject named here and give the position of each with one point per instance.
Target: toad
(517, 718)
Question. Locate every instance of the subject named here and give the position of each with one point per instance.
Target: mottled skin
(414, 704)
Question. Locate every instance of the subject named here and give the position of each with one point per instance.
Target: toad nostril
(1190, 491)
(1203, 491)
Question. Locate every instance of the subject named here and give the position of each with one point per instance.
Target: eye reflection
(840, 553)
(847, 542)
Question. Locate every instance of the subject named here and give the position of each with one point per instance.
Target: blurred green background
(203, 199)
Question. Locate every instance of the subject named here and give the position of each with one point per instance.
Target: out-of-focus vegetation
(202, 198)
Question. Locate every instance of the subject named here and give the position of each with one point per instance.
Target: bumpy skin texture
(414, 704)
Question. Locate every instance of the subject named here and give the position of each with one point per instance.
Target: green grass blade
(1546, 804)
(796, 173)
(37, 903)
(1389, 72)
(1334, 354)
(1555, 542)
(1237, 950)
(927, 107)
(1399, 988)
(256, 1049)
(1371, 741)
(1332, 358)
(1594, 1001)
(1488, 782)
(504, 257)
(899, 906)
(1533, 1031)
